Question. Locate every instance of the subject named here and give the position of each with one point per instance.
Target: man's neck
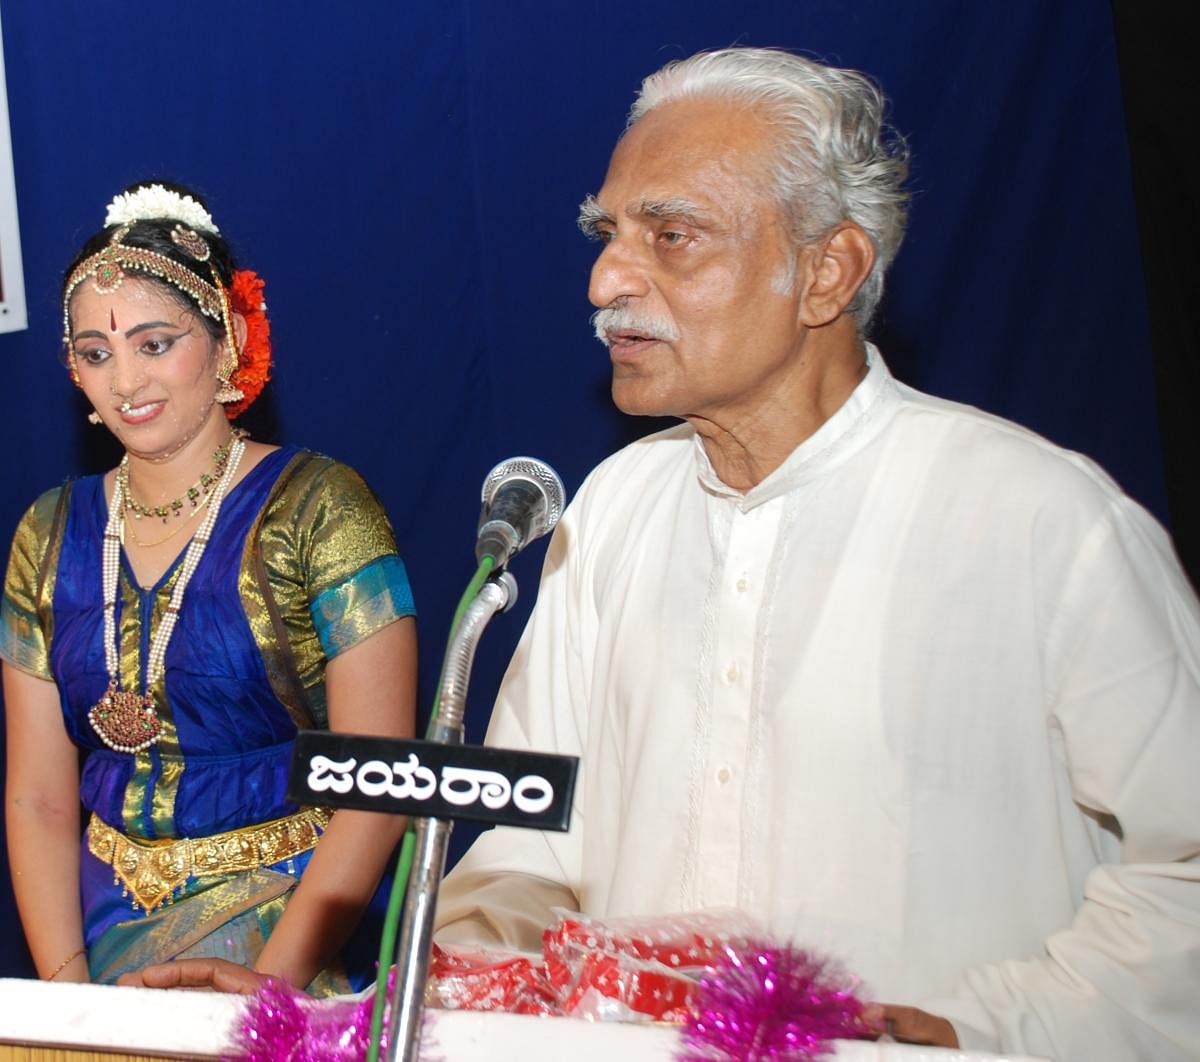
(746, 445)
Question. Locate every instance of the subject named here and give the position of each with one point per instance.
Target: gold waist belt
(153, 870)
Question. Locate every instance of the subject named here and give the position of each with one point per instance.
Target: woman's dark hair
(155, 235)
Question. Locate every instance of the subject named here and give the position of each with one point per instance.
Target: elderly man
(903, 680)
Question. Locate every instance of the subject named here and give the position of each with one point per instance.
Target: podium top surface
(193, 1024)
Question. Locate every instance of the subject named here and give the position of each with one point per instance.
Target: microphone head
(531, 470)
(522, 500)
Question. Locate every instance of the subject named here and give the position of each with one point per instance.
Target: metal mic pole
(432, 835)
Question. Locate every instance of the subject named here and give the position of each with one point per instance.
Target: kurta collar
(860, 417)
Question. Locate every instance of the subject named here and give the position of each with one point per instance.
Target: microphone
(522, 500)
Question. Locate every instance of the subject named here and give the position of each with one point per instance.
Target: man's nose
(618, 273)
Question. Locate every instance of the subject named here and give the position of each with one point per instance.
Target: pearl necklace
(126, 721)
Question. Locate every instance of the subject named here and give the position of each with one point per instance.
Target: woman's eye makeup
(158, 345)
(92, 355)
(152, 346)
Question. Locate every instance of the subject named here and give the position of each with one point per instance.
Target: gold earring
(226, 392)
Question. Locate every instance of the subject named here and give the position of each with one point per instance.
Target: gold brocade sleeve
(314, 535)
(26, 619)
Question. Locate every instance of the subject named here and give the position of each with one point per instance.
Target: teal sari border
(374, 596)
(18, 643)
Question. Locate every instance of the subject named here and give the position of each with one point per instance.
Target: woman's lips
(142, 413)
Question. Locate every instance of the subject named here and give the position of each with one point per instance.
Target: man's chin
(637, 401)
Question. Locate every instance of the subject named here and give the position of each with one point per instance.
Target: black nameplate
(429, 780)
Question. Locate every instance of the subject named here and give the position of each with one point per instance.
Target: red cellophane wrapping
(631, 969)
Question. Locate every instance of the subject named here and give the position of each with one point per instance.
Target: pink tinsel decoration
(280, 1022)
(763, 1002)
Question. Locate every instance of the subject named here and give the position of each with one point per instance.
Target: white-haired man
(904, 681)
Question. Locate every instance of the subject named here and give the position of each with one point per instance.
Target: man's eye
(671, 237)
(596, 228)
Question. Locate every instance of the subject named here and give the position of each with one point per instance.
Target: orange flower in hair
(254, 362)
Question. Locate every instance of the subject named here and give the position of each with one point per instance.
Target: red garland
(254, 364)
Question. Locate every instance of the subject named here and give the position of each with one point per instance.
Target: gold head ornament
(107, 271)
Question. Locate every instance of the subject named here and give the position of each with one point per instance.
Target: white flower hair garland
(155, 201)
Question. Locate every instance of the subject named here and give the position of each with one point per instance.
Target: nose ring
(125, 406)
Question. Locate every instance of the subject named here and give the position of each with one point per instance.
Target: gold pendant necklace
(126, 721)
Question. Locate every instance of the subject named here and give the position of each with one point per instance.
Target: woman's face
(147, 365)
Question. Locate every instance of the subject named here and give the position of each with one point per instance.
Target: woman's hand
(215, 975)
(909, 1025)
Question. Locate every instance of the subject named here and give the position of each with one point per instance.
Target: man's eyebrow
(675, 206)
(591, 216)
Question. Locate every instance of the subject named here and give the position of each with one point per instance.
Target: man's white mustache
(623, 319)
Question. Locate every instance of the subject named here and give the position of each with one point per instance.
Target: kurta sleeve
(24, 621)
(1122, 658)
(504, 890)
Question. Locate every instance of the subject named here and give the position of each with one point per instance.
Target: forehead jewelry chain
(126, 721)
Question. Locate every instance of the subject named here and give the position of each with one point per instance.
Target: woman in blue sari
(177, 621)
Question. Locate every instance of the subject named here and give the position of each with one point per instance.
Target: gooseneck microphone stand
(432, 835)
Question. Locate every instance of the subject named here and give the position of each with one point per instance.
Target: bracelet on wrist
(66, 962)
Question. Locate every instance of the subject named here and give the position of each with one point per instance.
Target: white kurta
(926, 699)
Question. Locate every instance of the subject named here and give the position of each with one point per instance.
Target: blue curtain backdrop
(406, 176)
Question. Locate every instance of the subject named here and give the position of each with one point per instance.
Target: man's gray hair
(836, 158)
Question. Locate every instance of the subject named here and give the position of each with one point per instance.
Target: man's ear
(840, 262)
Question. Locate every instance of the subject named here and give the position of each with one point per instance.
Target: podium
(42, 1022)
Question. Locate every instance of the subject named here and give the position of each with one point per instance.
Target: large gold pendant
(125, 721)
